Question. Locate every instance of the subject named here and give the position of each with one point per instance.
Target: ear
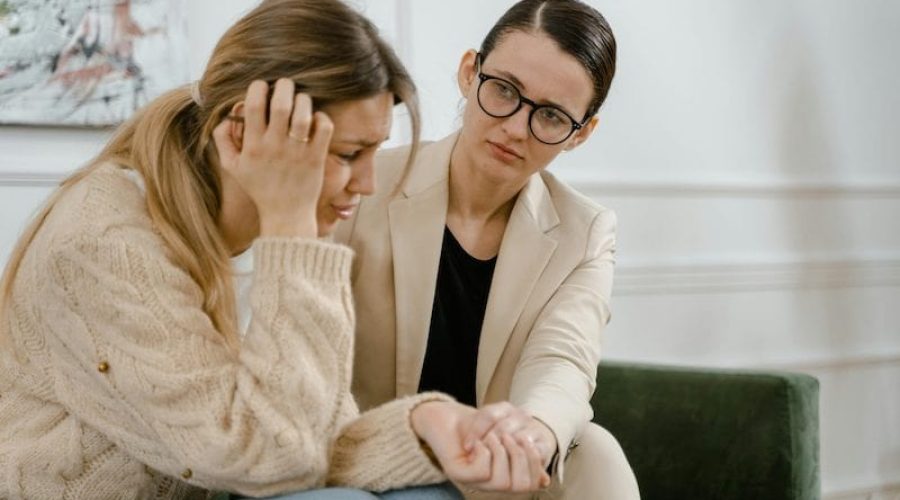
(465, 75)
(236, 134)
(228, 136)
(582, 134)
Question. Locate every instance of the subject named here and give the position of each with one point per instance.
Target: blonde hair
(332, 53)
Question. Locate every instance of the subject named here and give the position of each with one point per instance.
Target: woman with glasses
(484, 276)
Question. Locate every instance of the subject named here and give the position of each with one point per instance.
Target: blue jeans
(444, 491)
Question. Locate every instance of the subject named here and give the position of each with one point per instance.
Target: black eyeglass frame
(483, 77)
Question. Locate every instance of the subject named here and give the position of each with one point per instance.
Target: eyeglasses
(499, 98)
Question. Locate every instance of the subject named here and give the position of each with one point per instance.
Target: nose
(362, 178)
(516, 125)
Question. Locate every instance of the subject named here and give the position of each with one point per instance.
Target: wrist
(551, 446)
(420, 416)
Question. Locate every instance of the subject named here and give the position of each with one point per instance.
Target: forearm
(381, 450)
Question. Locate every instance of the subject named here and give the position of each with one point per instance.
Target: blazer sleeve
(136, 357)
(556, 374)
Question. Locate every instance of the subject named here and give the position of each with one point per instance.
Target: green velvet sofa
(713, 434)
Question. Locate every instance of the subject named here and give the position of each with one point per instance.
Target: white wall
(750, 151)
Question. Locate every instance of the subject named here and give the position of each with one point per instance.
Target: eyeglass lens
(500, 99)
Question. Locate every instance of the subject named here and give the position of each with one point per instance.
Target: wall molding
(31, 179)
(596, 187)
(836, 363)
(699, 278)
(750, 189)
(888, 491)
(809, 364)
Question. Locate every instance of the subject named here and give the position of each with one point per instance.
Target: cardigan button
(103, 367)
(187, 474)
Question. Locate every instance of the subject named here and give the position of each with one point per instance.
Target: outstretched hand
(507, 419)
(495, 462)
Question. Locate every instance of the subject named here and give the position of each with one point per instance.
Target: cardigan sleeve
(555, 376)
(136, 357)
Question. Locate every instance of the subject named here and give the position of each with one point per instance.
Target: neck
(476, 197)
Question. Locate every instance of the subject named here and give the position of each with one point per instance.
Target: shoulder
(106, 188)
(391, 164)
(105, 201)
(576, 210)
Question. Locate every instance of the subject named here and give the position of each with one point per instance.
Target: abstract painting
(88, 62)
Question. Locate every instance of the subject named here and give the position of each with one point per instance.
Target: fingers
(484, 421)
(281, 108)
(519, 467)
(302, 118)
(286, 115)
(476, 468)
(515, 466)
(500, 477)
(528, 434)
(527, 446)
(322, 129)
(281, 157)
(255, 113)
(537, 473)
(513, 423)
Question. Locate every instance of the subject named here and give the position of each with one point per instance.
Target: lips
(504, 153)
(344, 211)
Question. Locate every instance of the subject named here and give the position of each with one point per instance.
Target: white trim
(875, 492)
(751, 189)
(691, 278)
(810, 364)
(30, 179)
(836, 363)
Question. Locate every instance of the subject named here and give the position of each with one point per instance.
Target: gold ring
(298, 139)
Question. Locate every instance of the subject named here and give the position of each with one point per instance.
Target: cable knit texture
(115, 384)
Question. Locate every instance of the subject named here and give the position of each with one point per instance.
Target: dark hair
(576, 27)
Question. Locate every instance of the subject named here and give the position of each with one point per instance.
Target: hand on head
(279, 160)
(491, 449)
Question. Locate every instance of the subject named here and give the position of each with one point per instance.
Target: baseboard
(877, 492)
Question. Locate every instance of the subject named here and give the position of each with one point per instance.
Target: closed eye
(348, 157)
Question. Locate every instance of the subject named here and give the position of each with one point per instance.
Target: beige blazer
(547, 307)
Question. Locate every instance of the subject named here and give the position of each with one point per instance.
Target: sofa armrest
(712, 433)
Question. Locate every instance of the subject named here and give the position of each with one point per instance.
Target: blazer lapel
(417, 219)
(524, 253)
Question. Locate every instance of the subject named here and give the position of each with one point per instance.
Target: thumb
(478, 465)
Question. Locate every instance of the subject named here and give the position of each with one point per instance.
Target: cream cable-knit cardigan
(120, 386)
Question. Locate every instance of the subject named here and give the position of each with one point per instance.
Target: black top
(460, 299)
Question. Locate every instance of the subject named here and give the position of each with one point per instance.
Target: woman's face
(504, 149)
(359, 129)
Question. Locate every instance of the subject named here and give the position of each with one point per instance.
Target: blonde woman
(135, 363)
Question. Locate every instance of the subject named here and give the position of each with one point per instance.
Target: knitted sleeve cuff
(380, 451)
(313, 259)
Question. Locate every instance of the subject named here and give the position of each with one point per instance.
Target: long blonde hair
(332, 53)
